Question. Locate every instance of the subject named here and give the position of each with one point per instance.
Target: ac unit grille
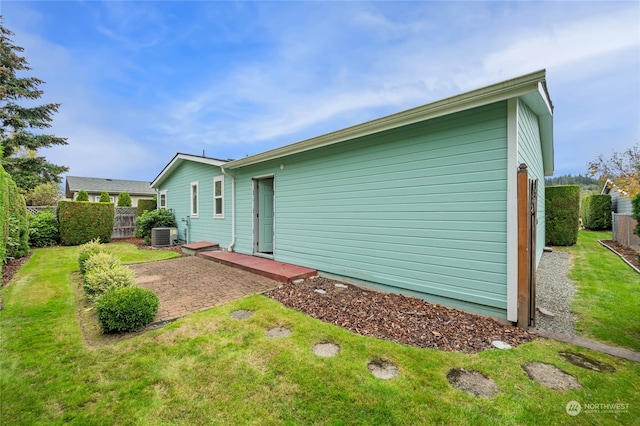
(163, 237)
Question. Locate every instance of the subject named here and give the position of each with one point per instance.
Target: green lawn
(210, 369)
(608, 298)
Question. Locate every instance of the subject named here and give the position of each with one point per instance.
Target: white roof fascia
(516, 87)
(177, 160)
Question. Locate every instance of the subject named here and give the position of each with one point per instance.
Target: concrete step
(201, 246)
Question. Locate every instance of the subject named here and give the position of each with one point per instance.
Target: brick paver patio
(192, 284)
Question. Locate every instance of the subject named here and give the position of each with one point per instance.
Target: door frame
(256, 210)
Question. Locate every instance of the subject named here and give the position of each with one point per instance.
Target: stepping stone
(326, 350)
(550, 376)
(278, 332)
(585, 362)
(383, 370)
(472, 382)
(501, 345)
(241, 314)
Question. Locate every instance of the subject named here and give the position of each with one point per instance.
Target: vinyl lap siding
(530, 153)
(420, 209)
(204, 227)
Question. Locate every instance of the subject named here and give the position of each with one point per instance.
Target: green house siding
(204, 227)
(420, 208)
(530, 153)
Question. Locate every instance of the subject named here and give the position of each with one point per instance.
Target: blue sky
(139, 81)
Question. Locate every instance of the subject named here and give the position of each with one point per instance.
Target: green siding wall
(530, 153)
(420, 209)
(204, 227)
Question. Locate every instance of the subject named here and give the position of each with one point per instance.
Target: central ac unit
(164, 237)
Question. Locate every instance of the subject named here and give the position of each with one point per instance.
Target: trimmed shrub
(153, 219)
(124, 199)
(104, 197)
(635, 213)
(596, 212)
(145, 206)
(87, 250)
(562, 211)
(14, 231)
(127, 309)
(82, 195)
(81, 222)
(104, 260)
(43, 229)
(100, 280)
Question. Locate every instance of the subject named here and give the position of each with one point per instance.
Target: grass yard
(208, 368)
(608, 299)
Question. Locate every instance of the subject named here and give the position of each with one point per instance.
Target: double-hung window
(218, 197)
(162, 201)
(194, 199)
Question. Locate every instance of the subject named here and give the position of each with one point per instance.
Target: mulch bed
(401, 319)
(630, 254)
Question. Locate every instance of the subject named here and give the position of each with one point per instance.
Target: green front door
(265, 215)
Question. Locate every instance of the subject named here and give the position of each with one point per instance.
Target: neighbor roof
(112, 186)
(531, 88)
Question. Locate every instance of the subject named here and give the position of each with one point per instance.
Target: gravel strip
(555, 292)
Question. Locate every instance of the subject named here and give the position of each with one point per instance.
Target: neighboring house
(422, 202)
(95, 186)
(619, 203)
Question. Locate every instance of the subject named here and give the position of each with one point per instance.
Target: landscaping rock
(551, 376)
(472, 382)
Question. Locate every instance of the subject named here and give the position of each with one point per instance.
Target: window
(162, 201)
(194, 199)
(218, 197)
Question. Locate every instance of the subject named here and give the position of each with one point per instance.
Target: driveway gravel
(554, 293)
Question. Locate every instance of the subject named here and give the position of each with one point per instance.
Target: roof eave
(520, 86)
(177, 160)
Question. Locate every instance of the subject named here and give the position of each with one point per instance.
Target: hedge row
(146, 205)
(562, 211)
(82, 221)
(596, 212)
(14, 231)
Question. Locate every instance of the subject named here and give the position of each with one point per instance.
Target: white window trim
(218, 215)
(197, 186)
(162, 193)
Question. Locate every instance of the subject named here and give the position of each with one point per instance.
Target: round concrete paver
(326, 350)
(550, 376)
(279, 332)
(383, 370)
(500, 344)
(472, 382)
(241, 314)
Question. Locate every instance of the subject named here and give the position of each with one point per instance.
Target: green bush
(562, 211)
(81, 222)
(127, 309)
(146, 205)
(87, 250)
(124, 199)
(43, 229)
(82, 195)
(635, 213)
(104, 260)
(596, 212)
(153, 219)
(104, 197)
(14, 231)
(100, 280)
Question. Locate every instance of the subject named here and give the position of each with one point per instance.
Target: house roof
(112, 186)
(531, 88)
(178, 159)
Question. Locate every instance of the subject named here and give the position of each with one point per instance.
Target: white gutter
(233, 208)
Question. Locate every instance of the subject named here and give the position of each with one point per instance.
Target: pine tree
(20, 143)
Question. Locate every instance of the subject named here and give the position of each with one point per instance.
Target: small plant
(153, 219)
(635, 213)
(124, 199)
(127, 309)
(43, 229)
(87, 250)
(99, 281)
(82, 195)
(104, 197)
(102, 260)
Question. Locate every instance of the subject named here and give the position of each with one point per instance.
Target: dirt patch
(12, 266)
(242, 314)
(586, 362)
(401, 319)
(630, 254)
(472, 382)
(383, 369)
(550, 376)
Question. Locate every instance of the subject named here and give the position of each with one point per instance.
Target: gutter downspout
(233, 208)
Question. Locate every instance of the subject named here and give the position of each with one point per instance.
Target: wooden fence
(124, 222)
(623, 226)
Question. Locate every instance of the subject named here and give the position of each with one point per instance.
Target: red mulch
(630, 254)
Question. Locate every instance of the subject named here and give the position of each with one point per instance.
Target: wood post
(524, 257)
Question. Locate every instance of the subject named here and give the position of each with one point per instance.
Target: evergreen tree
(17, 123)
(124, 199)
(82, 195)
(104, 197)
